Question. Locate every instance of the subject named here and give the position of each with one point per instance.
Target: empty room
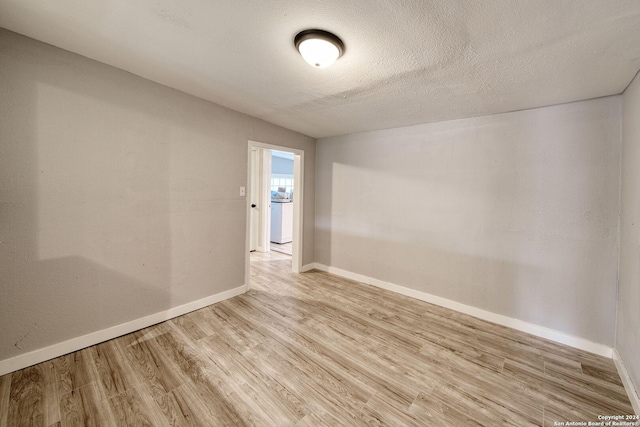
(336, 213)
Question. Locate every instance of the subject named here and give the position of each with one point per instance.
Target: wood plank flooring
(316, 350)
(283, 248)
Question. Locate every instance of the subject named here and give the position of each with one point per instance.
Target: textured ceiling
(406, 61)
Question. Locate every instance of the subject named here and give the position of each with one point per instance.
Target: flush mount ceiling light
(319, 48)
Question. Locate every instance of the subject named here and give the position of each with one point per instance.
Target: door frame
(298, 204)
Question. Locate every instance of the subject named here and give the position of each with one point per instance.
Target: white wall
(119, 197)
(281, 166)
(516, 213)
(628, 329)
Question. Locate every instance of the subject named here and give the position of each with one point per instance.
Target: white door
(255, 197)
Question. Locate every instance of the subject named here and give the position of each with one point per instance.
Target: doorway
(260, 205)
(282, 194)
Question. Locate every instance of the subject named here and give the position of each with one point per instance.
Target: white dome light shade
(319, 53)
(319, 48)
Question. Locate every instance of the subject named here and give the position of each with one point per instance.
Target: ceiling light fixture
(319, 48)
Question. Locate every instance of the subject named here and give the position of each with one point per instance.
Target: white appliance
(281, 221)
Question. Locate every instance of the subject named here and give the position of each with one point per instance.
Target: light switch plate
(243, 191)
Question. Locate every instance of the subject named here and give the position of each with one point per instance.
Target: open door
(254, 214)
(259, 199)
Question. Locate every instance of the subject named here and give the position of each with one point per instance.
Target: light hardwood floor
(283, 248)
(316, 350)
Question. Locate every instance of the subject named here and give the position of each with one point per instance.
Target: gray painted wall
(281, 166)
(628, 330)
(513, 213)
(119, 197)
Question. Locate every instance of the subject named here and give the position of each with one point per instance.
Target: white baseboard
(632, 391)
(308, 267)
(75, 344)
(510, 322)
